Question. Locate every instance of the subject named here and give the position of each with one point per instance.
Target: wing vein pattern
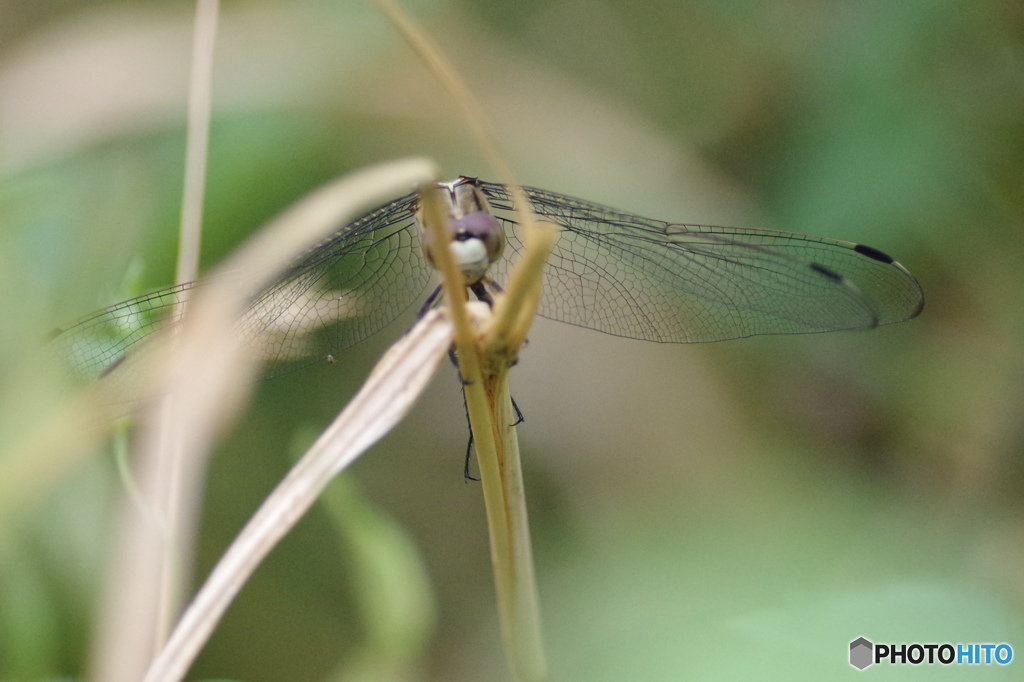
(611, 271)
(631, 276)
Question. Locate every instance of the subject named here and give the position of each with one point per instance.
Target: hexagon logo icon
(860, 653)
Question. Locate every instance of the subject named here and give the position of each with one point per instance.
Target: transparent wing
(630, 276)
(338, 293)
(611, 271)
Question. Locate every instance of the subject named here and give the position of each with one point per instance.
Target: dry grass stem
(472, 113)
(514, 312)
(386, 396)
(484, 368)
(206, 375)
(485, 357)
(491, 419)
(197, 139)
(175, 486)
(183, 492)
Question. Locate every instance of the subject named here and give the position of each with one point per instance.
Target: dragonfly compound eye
(484, 227)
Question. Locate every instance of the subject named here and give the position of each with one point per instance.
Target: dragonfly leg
(481, 292)
(453, 355)
(478, 288)
(466, 475)
(429, 303)
(492, 284)
(519, 413)
(469, 445)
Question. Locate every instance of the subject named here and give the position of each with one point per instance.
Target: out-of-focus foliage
(723, 512)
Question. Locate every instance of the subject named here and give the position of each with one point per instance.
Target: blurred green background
(731, 511)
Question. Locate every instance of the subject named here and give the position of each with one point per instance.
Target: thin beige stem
(448, 77)
(514, 312)
(386, 396)
(197, 139)
(497, 448)
(472, 113)
(209, 373)
(183, 486)
(484, 368)
(170, 482)
(501, 475)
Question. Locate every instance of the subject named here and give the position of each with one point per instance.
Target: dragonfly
(611, 271)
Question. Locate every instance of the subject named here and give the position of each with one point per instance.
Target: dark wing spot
(114, 365)
(831, 274)
(873, 253)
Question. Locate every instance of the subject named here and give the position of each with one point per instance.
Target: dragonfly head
(477, 241)
(476, 237)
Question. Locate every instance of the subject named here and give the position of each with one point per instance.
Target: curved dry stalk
(497, 445)
(472, 113)
(484, 365)
(184, 492)
(389, 392)
(197, 140)
(484, 361)
(205, 373)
